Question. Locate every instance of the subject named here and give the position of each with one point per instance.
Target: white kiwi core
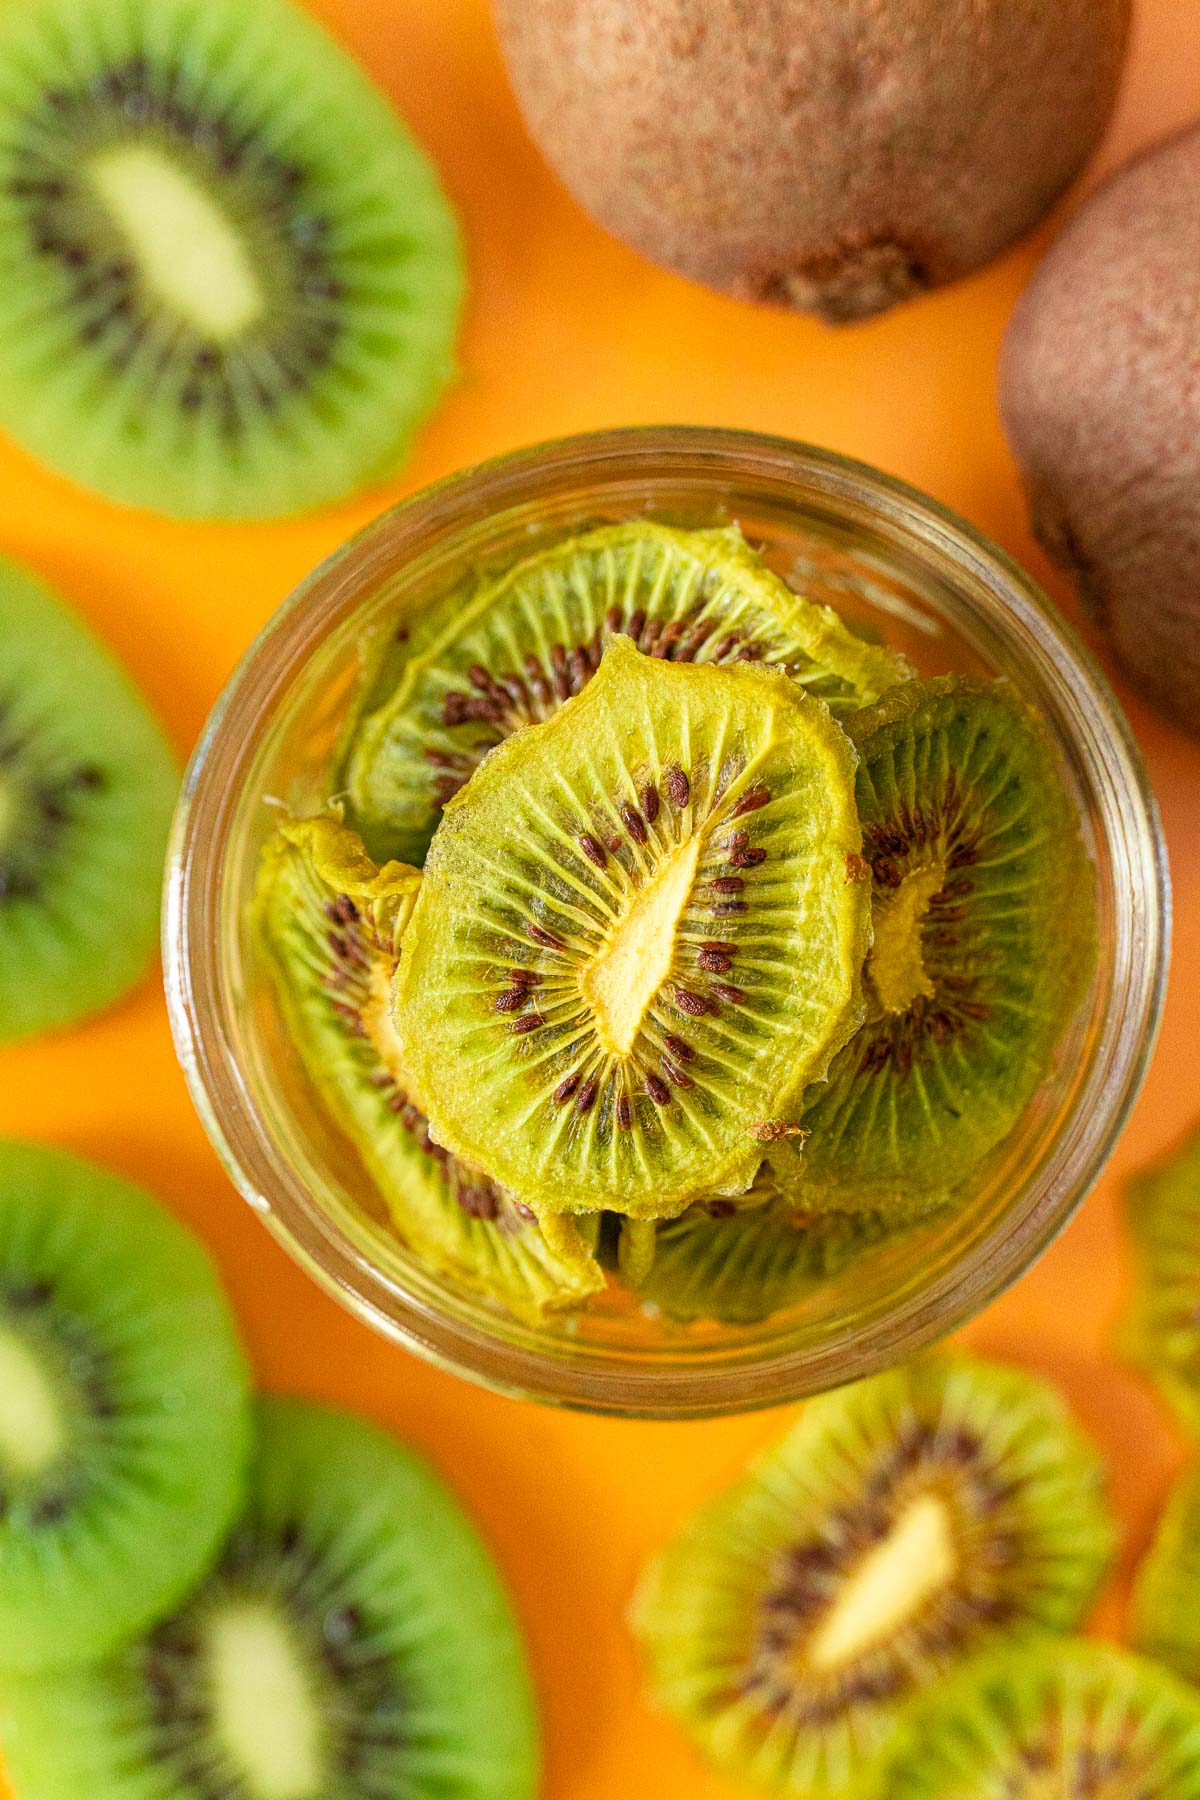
(896, 964)
(631, 965)
(32, 1428)
(892, 1582)
(190, 255)
(264, 1709)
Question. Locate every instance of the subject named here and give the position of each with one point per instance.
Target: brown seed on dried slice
(330, 924)
(629, 1077)
(904, 1525)
(486, 663)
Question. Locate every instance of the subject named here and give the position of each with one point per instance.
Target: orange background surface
(567, 330)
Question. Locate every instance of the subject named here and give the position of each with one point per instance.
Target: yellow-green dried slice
(983, 913)
(330, 923)
(741, 1260)
(510, 650)
(1056, 1720)
(1162, 1332)
(639, 935)
(902, 1527)
(1165, 1616)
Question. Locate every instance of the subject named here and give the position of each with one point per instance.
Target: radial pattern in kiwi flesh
(87, 788)
(902, 1527)
(639, 934)
(354, 1641)
(1079, 1720)
(330, 924)
(228, 279)
(1162, 1333)
(983, 909)
(743, 1260)
(508, 651)
(124, 1412)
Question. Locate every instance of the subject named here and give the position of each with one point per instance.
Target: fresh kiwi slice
(486, 662)
(1165, 1615)
(904, 1525)
(983, 906)
(1057, 1720)
(229, 281)
(1162, 1333)
(330, 924)
(124, 1417)
(640, 933)
(87, 788)
(740, 1260)
(354, 1642)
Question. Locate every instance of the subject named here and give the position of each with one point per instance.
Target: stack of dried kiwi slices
(203, 1597)
(229, 281)
(734, 950)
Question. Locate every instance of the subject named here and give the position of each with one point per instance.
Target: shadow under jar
(884, 556)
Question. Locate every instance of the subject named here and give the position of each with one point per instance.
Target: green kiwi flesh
(983, 913)
(1165, 1616)
(663, 941)
(87, 788)
(1162, 1332)
(124, 1410)
(903, 1526)
(354, 1641)
(741, 1260)
(509, 650)
(229, 280)
(330, 923)
(1056, 1720)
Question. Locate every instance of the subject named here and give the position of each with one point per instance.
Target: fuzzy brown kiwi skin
(832, 156)
(1102, 408)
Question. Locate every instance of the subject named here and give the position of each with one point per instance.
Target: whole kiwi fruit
(1101, 402)
(835, 156)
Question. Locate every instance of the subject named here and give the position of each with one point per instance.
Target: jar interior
(886, 570)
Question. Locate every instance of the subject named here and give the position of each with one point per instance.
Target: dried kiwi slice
(1054, 1721)
(739, 1261)
(330, 923)
(485, 663)
(983, 907)
(1165, 1616)
(640, 932)
(901, 1527)
(1162, 1334)
(354, 1642)
(124, 1411)
(229, 280)
(87, 789)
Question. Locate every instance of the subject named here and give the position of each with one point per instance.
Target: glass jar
(886, 557)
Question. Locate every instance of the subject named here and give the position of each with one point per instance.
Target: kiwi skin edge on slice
(506, 651)
(124, 1410)
(329, 924)
(903, 1526)
(1058, 1717)
(665, 889)
(354, 1641)
(88, 784)
(229, 280)
(1161, 1334)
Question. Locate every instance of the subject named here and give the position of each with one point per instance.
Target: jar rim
(1012, 610)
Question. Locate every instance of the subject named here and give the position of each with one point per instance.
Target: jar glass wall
(886, 558)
